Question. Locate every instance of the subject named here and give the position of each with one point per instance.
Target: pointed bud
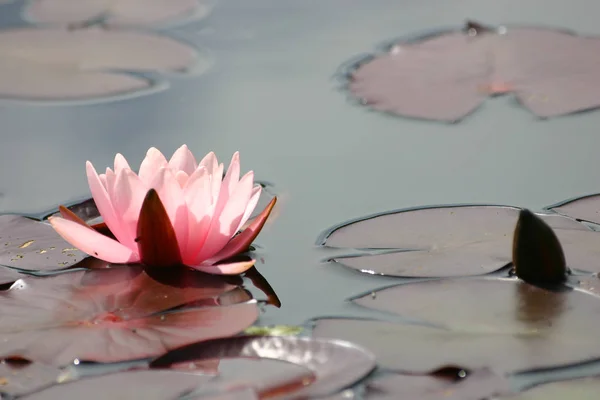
(157, 243)
(537, 254)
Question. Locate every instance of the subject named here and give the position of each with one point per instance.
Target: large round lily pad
(447, 76)
(113, 315)
(450, 241)
(576, 389)
(504, 324)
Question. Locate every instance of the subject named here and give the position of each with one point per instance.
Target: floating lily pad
(147, 385)
(450, 241)
(51, 65)
(332, 364)
(18, 377)
(576, 389)
(449, 383)
(504, 324)
(585, 208)
(9, 275)
(112, 315)
(34, 246)
(551, 72)
(107, 12)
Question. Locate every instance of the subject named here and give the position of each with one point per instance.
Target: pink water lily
(173, 212)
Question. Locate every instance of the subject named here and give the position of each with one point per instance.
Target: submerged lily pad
(107, 12)
(551, 72)
(34, 246)
(113, 315)
(504, 324)
(332, 364)
(51, 65)
(576, 389)
(450, 241)
(449, 383)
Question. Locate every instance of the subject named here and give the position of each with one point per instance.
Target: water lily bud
(537, 254)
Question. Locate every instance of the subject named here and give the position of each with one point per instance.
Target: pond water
(272, 94)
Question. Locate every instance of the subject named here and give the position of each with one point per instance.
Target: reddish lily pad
(449, 383)
(58, 65)
(9, 275)
(18, 377)
(550, 72)
(124, 12)
(95, 316)
(147, 385)
(576, 389)
(586, 208)
(450, 241)
(517, 327)
(32, 245)
(332, 364)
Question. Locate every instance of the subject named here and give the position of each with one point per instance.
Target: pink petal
(241, 242)
(254, 197)
(93, 243)
(225, 269)
(110, 182)
(105, 206)
(216, 178)
(224, 226)
(183, 160)
(231, 178)
(209, 162)
(102, 178)
(182, 178)
(153, 161)
(120, 163)
(198, 198)
(172, 197)
(128, 196)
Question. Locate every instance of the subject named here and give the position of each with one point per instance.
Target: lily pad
(551, 72)
(518, 326)
(54, 65)
(148, 385)
(9, 275)
(576, 389)
(449, 383)
(32, 245)
(111, 315)
(586, 208)
(18, 377)
(107, 12)
(333, 364)
(447, 241)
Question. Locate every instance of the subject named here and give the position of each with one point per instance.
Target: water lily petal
(111, 178)
(156, 238)
(102, 178)
(127, 197)
(106, 207)
(209, 162)
(234, 268)
(93, 243)
(241, 242)
(224, 226)
(120, 163)
(183, 160)
(198, 197)
(172, 198)
(153, 161)
(182, 178)
(216, 179)
(254, 197)
(231, 179)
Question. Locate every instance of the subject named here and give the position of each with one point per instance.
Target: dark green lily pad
(34, 246)
(504, 324)
(450, 241)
